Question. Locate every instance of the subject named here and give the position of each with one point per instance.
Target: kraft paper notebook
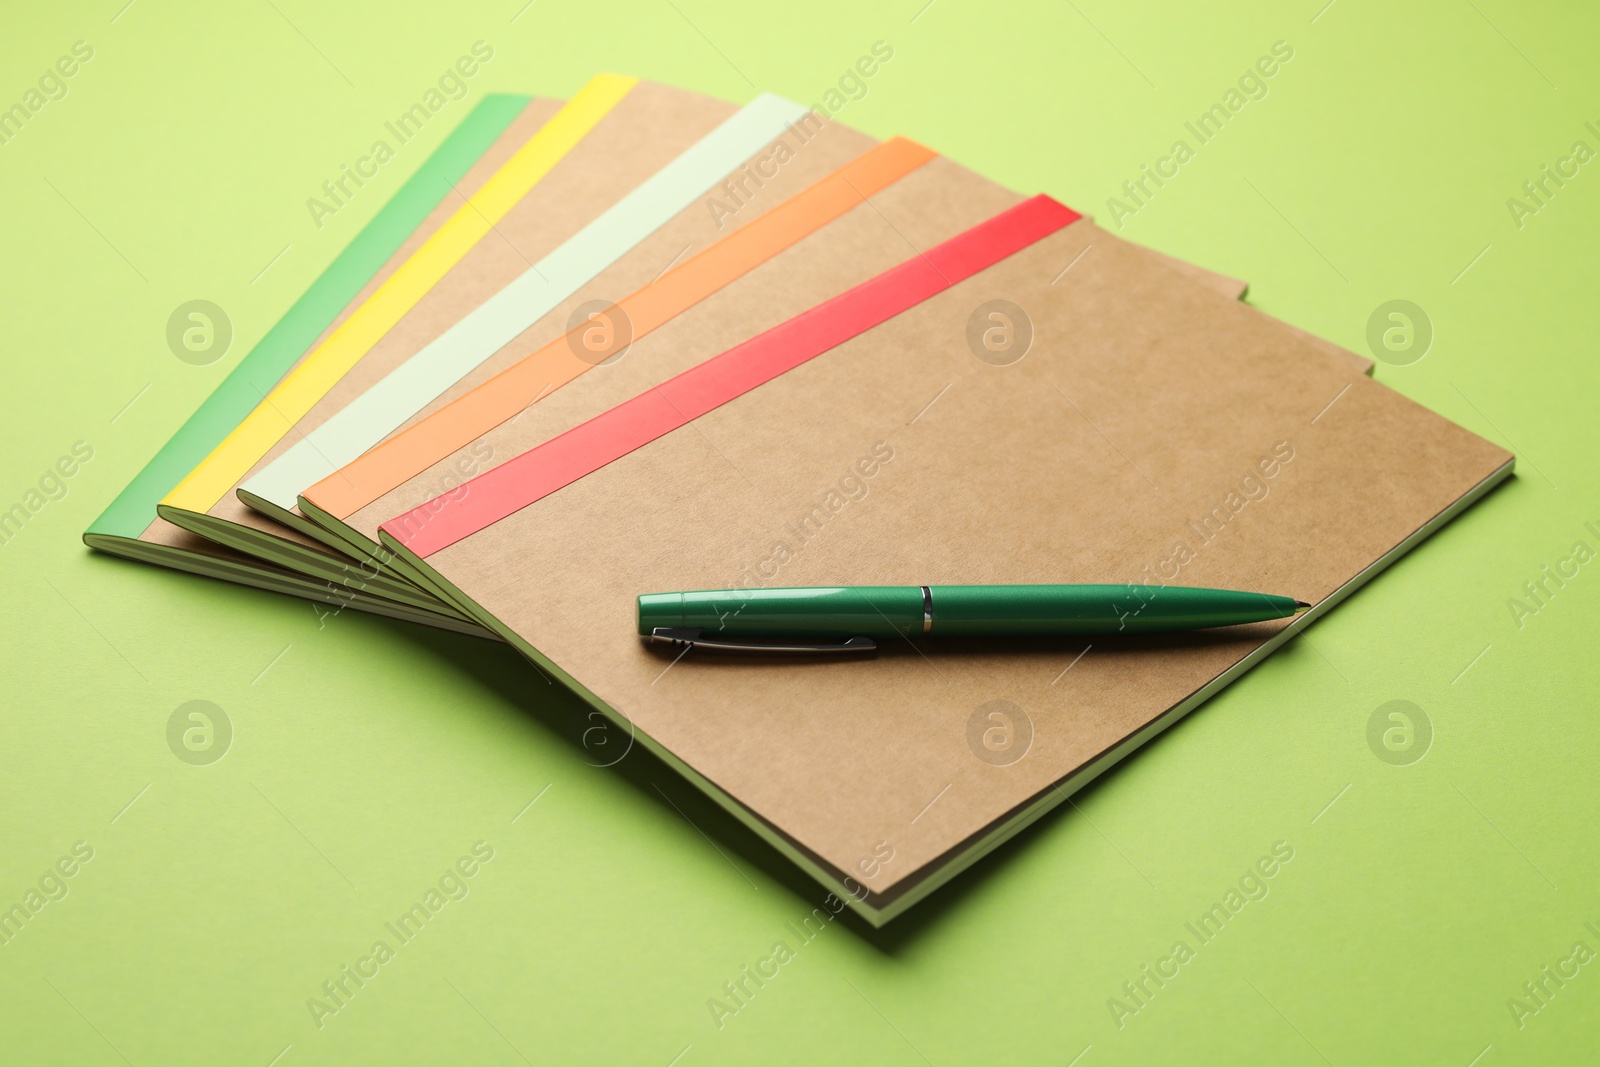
(485, 141)
(1149, 433)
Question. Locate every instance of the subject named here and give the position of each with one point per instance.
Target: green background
(367, 756)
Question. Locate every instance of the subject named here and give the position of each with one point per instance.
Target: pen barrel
(1062, 610)
(893, 611)
(828, 612)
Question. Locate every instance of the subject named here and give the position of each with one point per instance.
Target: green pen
(854, 618)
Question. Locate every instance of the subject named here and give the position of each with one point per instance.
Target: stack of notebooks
(645, 340)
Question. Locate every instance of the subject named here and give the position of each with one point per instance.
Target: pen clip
(689, 637)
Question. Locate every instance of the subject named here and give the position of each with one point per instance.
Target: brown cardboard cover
(1153, 433)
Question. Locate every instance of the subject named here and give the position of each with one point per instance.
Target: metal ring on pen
(927, 611)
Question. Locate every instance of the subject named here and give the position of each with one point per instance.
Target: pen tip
(1300, 605)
